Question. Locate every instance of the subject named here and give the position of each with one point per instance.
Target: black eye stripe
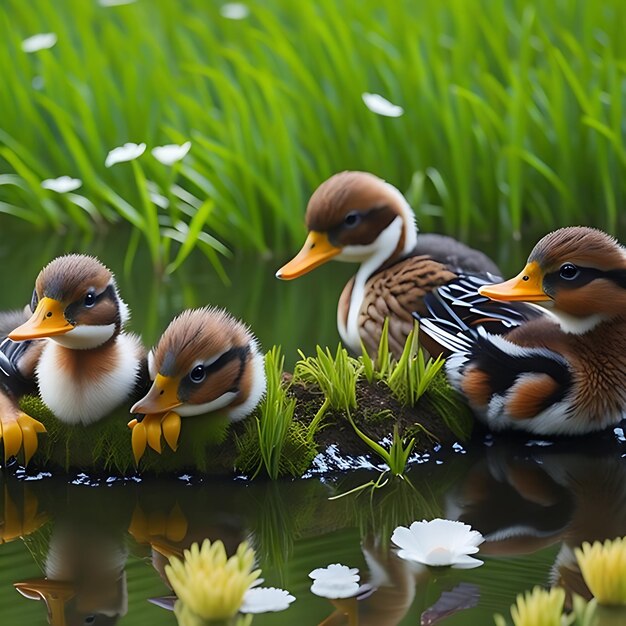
(334, 233)
(239, 353)
(584, 277)
(72, 309)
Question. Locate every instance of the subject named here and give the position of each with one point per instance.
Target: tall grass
(512, 125)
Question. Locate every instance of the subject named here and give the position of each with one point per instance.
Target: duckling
(357, 217)
(562, 372)
(206, 361)
(87, 365)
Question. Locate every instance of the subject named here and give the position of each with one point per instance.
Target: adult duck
(206, 361)
(83, 362)
(357, 217)
(562, 372)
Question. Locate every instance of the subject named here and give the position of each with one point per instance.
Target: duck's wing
(456, 310)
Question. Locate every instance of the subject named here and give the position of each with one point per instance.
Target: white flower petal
(171, 153)
(265, 600)
(62, 184)
(438, 542)
(42, 41)
(114, 3)
(334, 589)
(381, 106)
(335, 570)
(127, 152)
(234, 11)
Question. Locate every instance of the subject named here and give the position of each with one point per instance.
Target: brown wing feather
(396, 292)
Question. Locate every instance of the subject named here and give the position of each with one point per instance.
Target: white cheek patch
(85, 337)
(187, 410)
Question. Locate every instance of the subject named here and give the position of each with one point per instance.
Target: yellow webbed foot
(147, 432)
(20, 517)
(18, 431)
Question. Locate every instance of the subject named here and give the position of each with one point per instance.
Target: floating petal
(266, 600)
(381, 106)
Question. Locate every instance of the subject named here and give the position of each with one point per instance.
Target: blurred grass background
(513, 123)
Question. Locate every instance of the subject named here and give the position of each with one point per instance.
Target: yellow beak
(526, 286)
(162, 397)
(315, 251)
(48, 320)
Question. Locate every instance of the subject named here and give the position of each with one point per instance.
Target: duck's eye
(197, 374)
(569, 271)
(34, 301)
(90, 299)
(352, 219)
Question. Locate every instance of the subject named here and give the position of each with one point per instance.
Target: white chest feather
(87, 396)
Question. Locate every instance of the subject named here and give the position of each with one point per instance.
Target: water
(104, 538)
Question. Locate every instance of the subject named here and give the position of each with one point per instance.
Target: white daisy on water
(438, 542)
(265, 600)
(335, 581)
(381, 106)
(127, 152)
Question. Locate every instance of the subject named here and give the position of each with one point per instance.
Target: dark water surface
(103, 540)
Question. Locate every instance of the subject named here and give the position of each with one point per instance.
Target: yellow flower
(604, 569)
(539, 607)
(209, 584)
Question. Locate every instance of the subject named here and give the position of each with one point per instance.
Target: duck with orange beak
(563, 372)
(359, 218)
(205, 362)
(86, 365)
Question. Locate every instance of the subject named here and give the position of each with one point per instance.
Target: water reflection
(534, 504)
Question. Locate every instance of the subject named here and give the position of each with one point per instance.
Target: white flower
(127, 152)
(42, 41)
(438, 542)
(114, 3)
(234, 11)
(335, 581)
(62, 184)
(265, 600)
(170, 153)
(377, 104)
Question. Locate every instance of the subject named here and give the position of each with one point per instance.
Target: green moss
(106, 444)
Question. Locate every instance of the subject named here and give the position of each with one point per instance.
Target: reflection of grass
(515, 94)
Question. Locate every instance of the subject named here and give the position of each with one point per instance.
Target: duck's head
(76, 303)
(206, 360)
(579, 272)
(355, 217)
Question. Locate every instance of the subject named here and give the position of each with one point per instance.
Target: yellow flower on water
(604, 569)
(538, 607)
(209, 584)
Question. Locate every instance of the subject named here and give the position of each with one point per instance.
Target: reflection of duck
(85, 580)
(88, 366)
(525, 499)
(357, 217)
(206, 361)
(560, 373)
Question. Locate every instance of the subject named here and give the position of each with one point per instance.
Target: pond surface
(104, 540)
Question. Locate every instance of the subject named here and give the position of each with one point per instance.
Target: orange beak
(162, 397)
(315, 251)
(526, 286)
(48, 320)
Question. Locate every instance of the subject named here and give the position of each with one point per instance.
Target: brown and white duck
(85, 364)
(357, 217)
(206, 361)
(563, 372)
